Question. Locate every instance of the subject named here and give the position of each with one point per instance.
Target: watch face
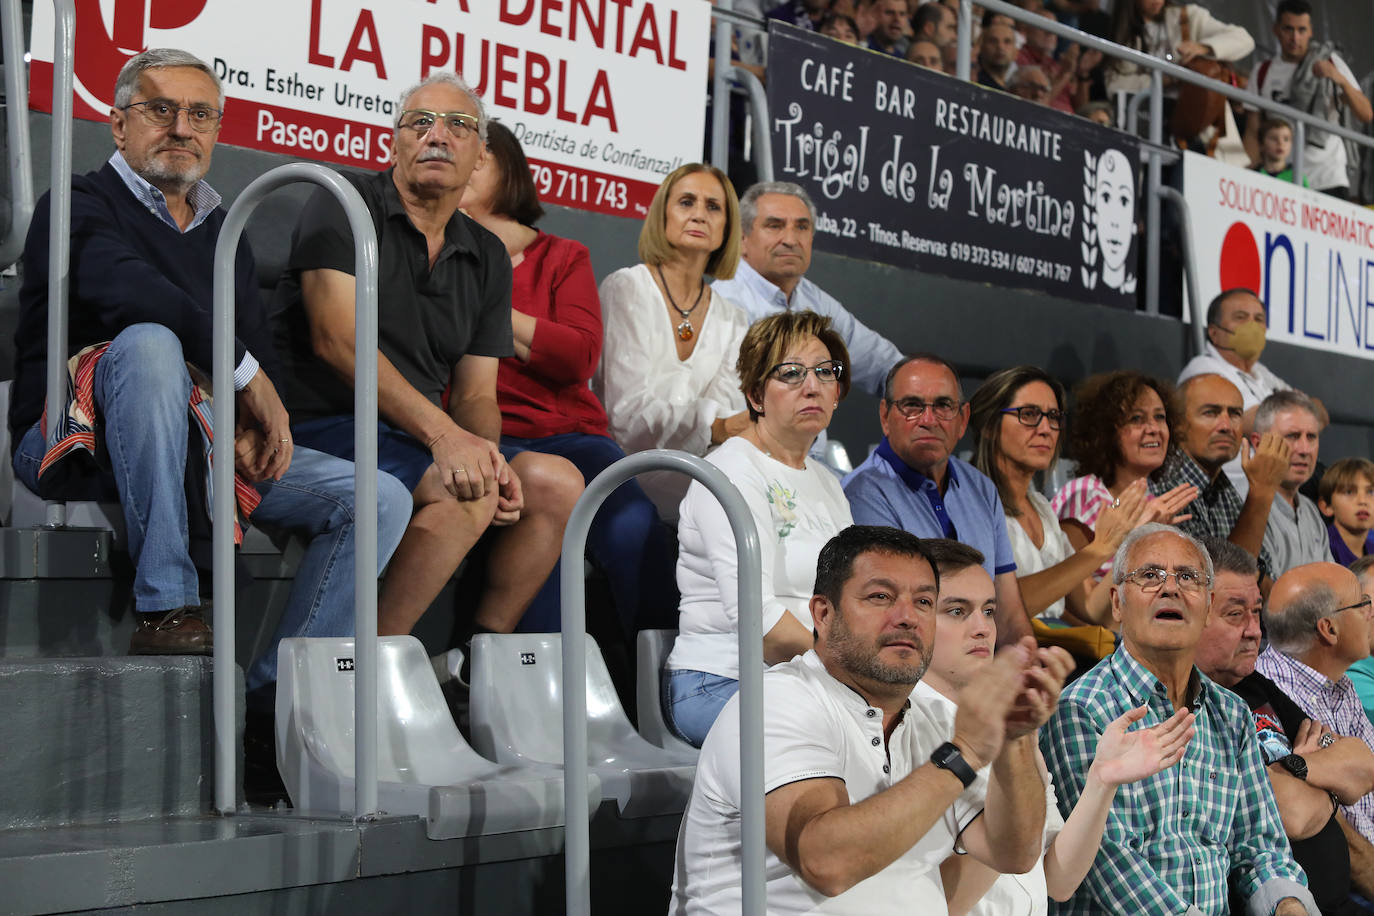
(1295, 764)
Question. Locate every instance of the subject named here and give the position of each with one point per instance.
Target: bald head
(1213, 410)
(1319, 614)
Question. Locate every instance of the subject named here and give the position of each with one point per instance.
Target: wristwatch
(947, 757)
(1295, 764)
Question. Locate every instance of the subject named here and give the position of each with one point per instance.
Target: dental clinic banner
(1310, 257)
(584, 84)
(917, 169)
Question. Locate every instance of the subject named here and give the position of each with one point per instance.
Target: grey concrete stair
(94, 740)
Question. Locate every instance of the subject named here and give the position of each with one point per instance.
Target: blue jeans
(626, 540)
(141, 387)
(693, 700)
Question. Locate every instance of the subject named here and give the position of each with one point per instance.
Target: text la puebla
(517, 77)
(837, 164)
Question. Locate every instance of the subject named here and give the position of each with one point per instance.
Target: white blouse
(796, 512)
(652, 398)
(1055, 550)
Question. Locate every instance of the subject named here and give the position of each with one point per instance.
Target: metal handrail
(1198, 314)
(725, 72)
(16, 132)
(60, 224)
(1164, 67)
(364, 480)
(577, 848)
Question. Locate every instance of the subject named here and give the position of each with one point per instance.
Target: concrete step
(93, 740)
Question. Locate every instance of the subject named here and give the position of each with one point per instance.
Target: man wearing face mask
(1235, 339)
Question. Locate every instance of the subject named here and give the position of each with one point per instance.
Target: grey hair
(1231, 558)
(158, 59)
(1294, 629)
(1021, 73)
(449, 78)
(1270, 408)
(749, 203)
(889, 381)
(1120, 567)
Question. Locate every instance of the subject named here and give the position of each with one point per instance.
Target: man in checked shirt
(1172, 841)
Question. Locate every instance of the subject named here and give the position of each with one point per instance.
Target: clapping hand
(1168, 507)
(1039, 696)
(1128, 756)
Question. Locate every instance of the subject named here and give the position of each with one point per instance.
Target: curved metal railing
(577, 851)
(364, 480)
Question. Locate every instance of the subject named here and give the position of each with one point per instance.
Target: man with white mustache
(444, 321)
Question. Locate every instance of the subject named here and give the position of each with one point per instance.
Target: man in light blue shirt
(911, 481)
(779, 224)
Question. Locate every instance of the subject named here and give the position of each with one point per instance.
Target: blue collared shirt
(871, 354)
(885, 491)
(203, 200)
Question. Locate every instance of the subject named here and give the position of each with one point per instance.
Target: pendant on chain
(685, 331)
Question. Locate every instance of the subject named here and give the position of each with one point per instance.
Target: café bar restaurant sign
(917, 169)
(582, 83)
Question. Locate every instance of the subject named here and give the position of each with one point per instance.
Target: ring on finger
(1116, 504)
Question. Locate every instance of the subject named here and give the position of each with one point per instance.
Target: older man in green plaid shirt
(1174, 840)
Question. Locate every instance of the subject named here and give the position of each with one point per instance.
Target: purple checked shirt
(1335, 704)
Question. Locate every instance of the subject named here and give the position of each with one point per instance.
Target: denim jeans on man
(141, 390)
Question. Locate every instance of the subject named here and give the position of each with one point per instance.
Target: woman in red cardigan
(546, 404)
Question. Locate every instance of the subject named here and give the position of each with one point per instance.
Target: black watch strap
(1295, 764)
(947, 757)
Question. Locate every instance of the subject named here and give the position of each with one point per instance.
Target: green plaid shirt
(1217, 507)
(1172, 840)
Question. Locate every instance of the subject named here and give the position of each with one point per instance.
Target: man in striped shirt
(1172, 841)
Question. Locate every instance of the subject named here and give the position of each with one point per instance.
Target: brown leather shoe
(179, 632)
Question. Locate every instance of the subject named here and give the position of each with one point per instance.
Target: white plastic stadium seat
(651, 651)
(424, 765)
(517, 715)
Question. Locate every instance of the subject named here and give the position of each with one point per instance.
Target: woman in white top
(792, 370)
(1016, 416)
(1156, 27)
(667, 375)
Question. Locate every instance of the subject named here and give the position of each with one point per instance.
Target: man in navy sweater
(144, 229)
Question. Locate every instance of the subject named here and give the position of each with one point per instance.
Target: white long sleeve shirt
(652, 398)
(796, 511)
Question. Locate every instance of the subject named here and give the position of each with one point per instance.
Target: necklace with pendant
(685, 331)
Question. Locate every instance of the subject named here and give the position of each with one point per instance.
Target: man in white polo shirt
(868, 787)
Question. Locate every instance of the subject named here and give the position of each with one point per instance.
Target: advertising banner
(584, 84)
(917, 169)
(1310, 257)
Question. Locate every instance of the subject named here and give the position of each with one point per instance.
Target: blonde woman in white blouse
(667, 375)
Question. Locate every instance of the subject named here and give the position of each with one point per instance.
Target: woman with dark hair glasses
(1017, 416)
(546, 405)
(792, 368)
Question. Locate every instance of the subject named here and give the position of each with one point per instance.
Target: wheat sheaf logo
(1108, 220)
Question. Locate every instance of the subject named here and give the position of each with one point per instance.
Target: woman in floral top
(792, 372)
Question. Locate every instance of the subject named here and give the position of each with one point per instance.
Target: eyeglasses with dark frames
(1365, 605)
(793, 374)
(913, 408)
(162, 113)
(1030, 415)
(1150, 579)
(459, 123)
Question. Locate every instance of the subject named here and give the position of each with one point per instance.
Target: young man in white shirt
(1312, 78)
(868, 787)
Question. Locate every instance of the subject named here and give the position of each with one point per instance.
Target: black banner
(920, 170)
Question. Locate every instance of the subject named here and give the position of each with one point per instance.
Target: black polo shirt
(1324, 856)
(427, 319)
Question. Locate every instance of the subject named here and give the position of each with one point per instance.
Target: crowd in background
(1040, 67)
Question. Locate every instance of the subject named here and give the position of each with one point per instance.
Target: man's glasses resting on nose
(913, 408)
(1030, 415)
(459, 123)
(793, 374)
(1151, 579)
(162, 113)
